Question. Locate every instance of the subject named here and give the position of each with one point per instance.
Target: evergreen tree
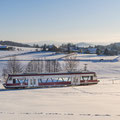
(106, 52)
(44, 47)
(98, 51)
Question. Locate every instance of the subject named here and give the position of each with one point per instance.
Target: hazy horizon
(59, 42)
(63, 21)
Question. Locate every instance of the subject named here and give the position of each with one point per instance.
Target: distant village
(112, 49)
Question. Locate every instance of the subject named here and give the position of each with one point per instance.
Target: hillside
(92, 102)
(11, 43)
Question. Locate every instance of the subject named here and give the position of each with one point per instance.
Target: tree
(43, 65)
(44, 47)
(87, 51)
(35, 45)
(52, 48)
(52, 66)
(106, 52)
(68, 47)
(13, 66)
(98, 51)
(35, 66)
(71, 63)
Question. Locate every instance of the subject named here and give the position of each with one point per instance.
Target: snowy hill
(92, 102)
(11, 43)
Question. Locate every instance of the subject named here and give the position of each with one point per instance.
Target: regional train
(41, 80)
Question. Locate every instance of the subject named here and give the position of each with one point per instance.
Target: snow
(83, 102)
(94, 102)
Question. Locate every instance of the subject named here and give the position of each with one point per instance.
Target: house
(4, 47)
(88, 50)
(92, 50)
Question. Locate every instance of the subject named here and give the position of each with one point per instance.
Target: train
(41, 80)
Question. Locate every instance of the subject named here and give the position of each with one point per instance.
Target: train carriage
(36, 80)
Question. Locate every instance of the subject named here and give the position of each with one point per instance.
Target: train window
(85, 78)
(69, 79)
(57, 79)
(14, 81)
(60, 80)
(82, 78)
(21, 81)
(44, 80)
(91, 77)
(26, 81)
(40, 80)
(88, 77)
(48, 80)
(17, 81)
(95, 75)
(65, 79)
(54, 80)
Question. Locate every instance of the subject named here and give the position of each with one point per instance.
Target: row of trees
(106, 51)
(112, 49)
(62, 48)
(41, 66)
(14, 66)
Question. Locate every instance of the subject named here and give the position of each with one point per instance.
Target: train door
(33, 82)
(76, 81)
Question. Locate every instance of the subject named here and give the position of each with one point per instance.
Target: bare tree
(35, 66)
(13, 66)
(57, 66)
(52, 66)
(71, 63)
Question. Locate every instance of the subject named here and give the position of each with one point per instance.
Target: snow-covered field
(94, 102)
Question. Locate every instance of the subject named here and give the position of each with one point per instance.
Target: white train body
(36, 80)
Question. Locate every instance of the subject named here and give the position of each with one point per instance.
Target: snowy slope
(94, 102)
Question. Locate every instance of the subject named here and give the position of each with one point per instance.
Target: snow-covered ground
(16, 52)
(94, 102)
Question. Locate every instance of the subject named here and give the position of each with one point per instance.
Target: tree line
(14, 66)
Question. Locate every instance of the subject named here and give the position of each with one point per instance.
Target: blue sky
(60, 20)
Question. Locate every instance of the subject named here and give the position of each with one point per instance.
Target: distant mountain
(83, 44)
(11, 43)
(49, 42)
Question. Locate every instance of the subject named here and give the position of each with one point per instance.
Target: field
(94, 102)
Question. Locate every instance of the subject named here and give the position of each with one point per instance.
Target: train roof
(55, 73)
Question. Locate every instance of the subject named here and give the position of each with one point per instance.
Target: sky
(60, 20)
